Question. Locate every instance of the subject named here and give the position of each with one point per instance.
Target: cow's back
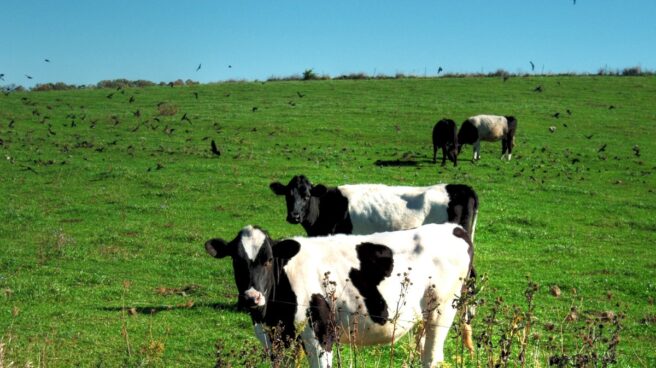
(378, 208)
(490, 127)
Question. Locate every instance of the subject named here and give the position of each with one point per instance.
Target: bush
(309, 74)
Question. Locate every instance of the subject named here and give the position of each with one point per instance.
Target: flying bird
(46, 60)
(214, 149)
(198, 68)
(229, 66)
(439, 70)
(532, 66)
(2, 76)
(28, 76)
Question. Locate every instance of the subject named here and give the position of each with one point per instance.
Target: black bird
(532, 66)
(300, 94)
(110, 95)
(137, 113)
(229, 66)
(214, 149)
(254, 108)
(538, 89)
(602, 148)
(611, 107)
(28, 76)
(574, 2)
(569, 112)
(198, 68)
(636, 150)
(184, 117)
(589, 136)
(564, 125)
(439, 70)
(556, 115)
(131, 99)
(46, 60)
(196, 95)
(2, 76)
(11, 123)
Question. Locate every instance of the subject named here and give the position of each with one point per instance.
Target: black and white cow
(489, 128)
(371, 208)
(445, 136)
(382, 285)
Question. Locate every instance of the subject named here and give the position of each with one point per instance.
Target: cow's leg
(434, 153)
(504, 147)
(320, 332)
(317, 355)
(444, 154)
(477, 150)
(511, 141)
(438, 321)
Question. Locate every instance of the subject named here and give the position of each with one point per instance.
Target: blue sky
(88, 41)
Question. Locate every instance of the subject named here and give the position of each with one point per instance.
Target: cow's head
(452, 150)
(298, 194)
(254, 253)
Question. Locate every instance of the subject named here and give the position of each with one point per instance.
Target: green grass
(95, 218)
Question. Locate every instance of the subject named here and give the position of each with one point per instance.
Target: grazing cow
(489, 128)
(371, 208)
(355, 289)
(445, 135)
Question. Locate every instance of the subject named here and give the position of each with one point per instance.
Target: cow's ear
(218, 248)
(318, 190)
(278, 188)
(286, 249)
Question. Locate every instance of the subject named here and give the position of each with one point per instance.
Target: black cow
(445, 135)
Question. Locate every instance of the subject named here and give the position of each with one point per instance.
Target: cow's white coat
(377, 208)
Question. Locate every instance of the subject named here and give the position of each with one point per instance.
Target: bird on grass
(131, 100)
(636, 150)
(214, 149)
(556, 115)
(254, 108)
(110, 95)
(569, 112)
(184, 117)
(589, 136)
(300, 95)
(196, 95)
(602, 148)
(538, 89)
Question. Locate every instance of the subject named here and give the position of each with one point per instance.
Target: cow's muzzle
(294, 218)
(254, 298)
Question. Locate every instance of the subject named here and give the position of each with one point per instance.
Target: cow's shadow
(403, 162)
(155, 309)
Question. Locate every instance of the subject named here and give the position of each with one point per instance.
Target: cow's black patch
(323, 321)
(376, 263)
(463, 205)
(468, 133)
(328, 215)
(508, 141)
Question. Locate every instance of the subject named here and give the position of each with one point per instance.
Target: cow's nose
(294, 218)
(254, 298)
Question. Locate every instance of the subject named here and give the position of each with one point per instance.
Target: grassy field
(103, 213)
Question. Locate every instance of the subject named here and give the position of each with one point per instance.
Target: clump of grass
(167, 109)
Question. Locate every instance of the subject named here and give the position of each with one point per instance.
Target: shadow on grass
(154, 309)
(396, 163)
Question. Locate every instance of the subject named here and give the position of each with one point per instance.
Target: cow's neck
(311, 221)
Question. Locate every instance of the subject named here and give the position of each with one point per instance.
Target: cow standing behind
(445, 136)
(382, 285)
(489, 128)
(371, 208)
